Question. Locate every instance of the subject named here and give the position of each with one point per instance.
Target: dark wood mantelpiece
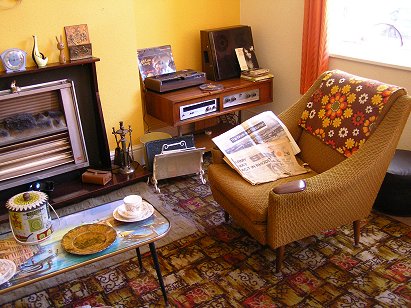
(51, 66)
(68, 187)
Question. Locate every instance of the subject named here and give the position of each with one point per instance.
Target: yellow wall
(178, 23)
(117, 29)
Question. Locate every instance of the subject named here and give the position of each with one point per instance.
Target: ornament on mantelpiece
(40, 59)
(78, 42)
(60, 46)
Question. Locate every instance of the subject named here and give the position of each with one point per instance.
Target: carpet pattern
(219, 265)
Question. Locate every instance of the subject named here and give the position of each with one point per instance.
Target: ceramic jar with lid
(29, 216)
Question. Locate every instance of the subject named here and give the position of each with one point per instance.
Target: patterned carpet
(221, 266)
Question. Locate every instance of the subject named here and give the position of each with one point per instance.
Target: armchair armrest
(290, 187)
(342, 194)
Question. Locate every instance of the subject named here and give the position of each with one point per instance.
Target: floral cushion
(345, 110)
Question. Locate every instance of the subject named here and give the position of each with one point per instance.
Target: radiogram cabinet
(190, 105)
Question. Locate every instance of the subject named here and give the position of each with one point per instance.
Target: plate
(7, 270)
(145, 213)
(88, 239)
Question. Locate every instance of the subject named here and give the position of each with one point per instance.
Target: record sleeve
(155, 61)
(247, 58)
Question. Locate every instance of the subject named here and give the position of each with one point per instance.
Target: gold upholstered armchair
(345, 175)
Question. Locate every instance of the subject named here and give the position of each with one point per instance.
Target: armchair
(338, 189)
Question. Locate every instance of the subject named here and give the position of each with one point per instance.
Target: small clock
(14, 60)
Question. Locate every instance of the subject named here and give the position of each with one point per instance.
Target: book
(256, 72)
(257, 78)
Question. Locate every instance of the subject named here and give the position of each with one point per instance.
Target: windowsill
(373, 62)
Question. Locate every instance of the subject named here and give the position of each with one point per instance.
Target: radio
(197, 109)
(241, 98)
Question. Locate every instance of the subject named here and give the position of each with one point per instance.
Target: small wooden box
(96, 177)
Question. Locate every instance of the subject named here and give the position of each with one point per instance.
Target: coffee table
(50, 258)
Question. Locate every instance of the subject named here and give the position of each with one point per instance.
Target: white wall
(277, 27)
(277, 31)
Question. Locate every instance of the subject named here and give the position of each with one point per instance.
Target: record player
(173, 81)
(158, 71)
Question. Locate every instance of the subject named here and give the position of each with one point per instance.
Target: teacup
(132, 204)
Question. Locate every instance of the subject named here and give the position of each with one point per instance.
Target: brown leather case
(96, 177)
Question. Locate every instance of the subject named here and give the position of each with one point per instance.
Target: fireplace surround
(81, 76)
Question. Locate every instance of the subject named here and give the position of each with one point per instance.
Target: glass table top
(49, 258)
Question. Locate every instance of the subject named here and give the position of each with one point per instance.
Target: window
(371, 30)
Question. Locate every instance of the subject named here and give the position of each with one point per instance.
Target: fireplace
(69, 94)
(40, 133)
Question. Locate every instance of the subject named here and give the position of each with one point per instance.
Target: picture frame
(78, 42)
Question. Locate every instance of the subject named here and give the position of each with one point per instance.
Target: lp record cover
(155, 61)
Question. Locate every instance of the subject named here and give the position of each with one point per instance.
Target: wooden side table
(237, 94)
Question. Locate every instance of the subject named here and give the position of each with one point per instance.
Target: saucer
(123, 211)
(146, 211)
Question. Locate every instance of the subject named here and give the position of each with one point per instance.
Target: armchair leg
(280, 257)
(226, 216)
(357, 232)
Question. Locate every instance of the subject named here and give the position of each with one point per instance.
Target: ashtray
(211, 87)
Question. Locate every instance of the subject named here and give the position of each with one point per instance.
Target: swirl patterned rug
(219, 265)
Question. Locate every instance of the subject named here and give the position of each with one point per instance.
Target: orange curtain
(314, 51)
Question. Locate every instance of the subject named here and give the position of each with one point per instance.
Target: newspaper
(260, 149)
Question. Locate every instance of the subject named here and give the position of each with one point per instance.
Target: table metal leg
(158, 271)
(140, 262)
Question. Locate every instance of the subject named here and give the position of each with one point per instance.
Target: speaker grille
(218, 50)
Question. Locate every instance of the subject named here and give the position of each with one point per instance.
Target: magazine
(260, 149)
